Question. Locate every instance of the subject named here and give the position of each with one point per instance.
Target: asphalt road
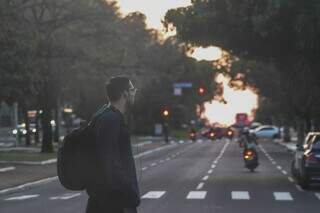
(193, 178)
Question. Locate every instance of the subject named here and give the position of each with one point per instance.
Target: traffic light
(201, 91)
(165, 113)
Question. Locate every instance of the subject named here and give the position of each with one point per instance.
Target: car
(21, 130)
(266, 132)
(306, 163)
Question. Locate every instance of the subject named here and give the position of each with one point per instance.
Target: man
(115, 186)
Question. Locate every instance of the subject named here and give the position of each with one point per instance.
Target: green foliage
(278, 42)
(64, 52)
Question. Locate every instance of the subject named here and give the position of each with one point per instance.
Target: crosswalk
(234, 195)
(191, 195)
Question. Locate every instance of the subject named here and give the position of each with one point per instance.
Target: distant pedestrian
(115, 189)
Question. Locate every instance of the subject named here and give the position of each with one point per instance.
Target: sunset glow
(209, 54)
(154, 10)
(237, 101)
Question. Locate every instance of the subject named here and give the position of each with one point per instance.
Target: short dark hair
(116, 86)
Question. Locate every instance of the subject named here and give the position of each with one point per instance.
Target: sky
(154, 10)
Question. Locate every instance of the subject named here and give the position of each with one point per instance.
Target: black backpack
(76, 159)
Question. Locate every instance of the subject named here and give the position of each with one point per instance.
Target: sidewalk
(20, 173)
(291, 146)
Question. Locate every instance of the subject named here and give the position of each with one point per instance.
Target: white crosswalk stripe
(197, 195)
(153, 195)
(282, 196)
(66, 196)
(240, 195)
(23, 197)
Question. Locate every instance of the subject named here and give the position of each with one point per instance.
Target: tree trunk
(308, 124)
(301, 131)
(47, 146)
(36, 134)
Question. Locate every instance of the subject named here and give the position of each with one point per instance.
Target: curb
(31, 185)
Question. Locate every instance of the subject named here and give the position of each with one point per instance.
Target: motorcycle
(192, 136)
(211, 135)
(250, 159)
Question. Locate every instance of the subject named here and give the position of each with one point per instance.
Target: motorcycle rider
(247, 140)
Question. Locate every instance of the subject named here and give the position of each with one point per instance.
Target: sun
(211, 53)
(236, 101)
(154, 10)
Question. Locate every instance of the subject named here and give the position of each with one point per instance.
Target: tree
(282, 33)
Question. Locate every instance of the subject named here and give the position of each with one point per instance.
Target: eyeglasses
(133, 90)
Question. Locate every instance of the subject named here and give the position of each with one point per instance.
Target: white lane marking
(65, 196)
(197, 195)
(200, 186)
(215, 162)
(205, 177)
(153, 195)
(240, 195)
(213, 166)
(154, 164)
(282, 196)
(279, 167)
(6, 169)
(210, 171)
(23, 197)
(291, 179)
(144, 168)
(29, 185)
(161, 161)
(168, 159)
(284, 172)
(299, 188)
(274, 163)
(317, 195)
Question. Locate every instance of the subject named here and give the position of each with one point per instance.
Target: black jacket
(115, 181)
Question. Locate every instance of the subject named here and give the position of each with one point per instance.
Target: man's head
(120, 90)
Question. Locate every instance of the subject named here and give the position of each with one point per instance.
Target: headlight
(14, 131)
(34, 130)
(24, 132)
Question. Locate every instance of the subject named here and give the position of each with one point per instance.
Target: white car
(266, 132)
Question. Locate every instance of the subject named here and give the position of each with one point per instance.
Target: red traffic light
(201, 90)
(165, 112)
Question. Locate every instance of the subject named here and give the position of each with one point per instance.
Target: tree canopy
(277, 41)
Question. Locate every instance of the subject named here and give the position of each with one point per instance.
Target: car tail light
(249, 153)
(211, 134)
(311, 158)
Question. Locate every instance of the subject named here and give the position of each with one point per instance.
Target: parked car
(266, 132)
(306, 163)
(21, 130)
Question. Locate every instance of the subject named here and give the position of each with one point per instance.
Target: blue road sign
(182, 85)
